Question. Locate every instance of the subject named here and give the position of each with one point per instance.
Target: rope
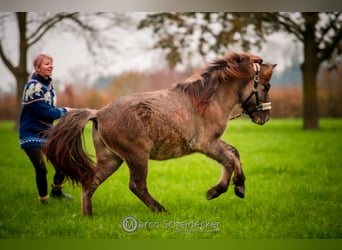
(235, 116)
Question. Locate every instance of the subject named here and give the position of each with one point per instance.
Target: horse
(189, 117)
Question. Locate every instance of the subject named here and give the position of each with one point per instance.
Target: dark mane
(233, 66)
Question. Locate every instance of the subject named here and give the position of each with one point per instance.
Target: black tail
(64, 147)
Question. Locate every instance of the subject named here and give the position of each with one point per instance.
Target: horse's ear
(256, 59)
(274, 65)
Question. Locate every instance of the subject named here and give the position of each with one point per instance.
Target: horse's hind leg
(107, 163)
(229, 157)
(104, 168)
(137, 184)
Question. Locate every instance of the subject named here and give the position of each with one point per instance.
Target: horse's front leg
(137, 184)
(228, 156)
(239, 177)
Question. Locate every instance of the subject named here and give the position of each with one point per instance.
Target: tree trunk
(21, 73)
(21, 81)
(310, 102)
(310, 69)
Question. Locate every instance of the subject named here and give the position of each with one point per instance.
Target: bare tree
(320, 34)
(33, 27)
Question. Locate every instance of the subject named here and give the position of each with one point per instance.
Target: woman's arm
(45, 112)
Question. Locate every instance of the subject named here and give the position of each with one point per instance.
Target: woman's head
(43, 65)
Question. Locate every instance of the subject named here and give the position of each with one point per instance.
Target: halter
(259, 107)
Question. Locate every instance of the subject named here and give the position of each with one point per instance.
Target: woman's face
(45, 68)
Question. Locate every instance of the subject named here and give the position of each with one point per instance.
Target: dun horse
(189, 117)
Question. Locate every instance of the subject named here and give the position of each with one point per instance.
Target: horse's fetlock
(239, 180)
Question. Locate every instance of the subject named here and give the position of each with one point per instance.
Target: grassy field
(293, 190)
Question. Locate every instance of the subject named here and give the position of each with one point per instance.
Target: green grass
(293, 190)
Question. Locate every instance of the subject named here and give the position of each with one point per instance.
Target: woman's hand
(68, 109)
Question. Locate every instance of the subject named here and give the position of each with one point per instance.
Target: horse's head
(254, 97)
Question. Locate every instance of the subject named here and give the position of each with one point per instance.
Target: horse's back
(141, 107)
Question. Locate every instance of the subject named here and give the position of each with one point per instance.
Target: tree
(320, 33)
(33, 27)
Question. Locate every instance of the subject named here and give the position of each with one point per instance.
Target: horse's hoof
(212, 193)
(240, 191)
(164, 211)
(159, 209)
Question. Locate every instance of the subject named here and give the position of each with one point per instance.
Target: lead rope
(236, 116)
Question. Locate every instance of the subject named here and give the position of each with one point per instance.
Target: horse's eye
(267, 86)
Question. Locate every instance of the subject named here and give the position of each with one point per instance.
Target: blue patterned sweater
(38, 111)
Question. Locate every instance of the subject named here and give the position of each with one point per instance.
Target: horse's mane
(233, 66)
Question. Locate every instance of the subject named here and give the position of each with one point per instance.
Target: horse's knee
(137, 187)
(137, 182)
(132, 186)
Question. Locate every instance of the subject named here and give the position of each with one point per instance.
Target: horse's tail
(64, 147)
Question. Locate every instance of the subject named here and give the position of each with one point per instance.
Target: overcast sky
(72, 62)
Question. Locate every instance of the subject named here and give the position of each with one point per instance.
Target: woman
(37, 115)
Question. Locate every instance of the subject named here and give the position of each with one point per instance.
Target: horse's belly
(162, 156)
(169, 149)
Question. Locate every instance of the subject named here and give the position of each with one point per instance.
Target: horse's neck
(227, 97)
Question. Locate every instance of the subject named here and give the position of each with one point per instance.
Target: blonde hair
(38, 60)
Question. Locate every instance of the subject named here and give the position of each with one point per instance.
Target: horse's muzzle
(260, 117)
